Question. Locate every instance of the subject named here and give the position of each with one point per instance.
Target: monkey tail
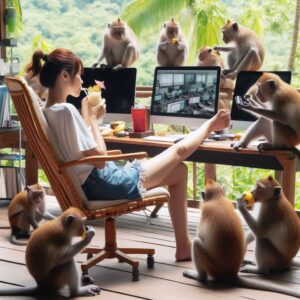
(257, 285)
(20, 291)
(15, 241)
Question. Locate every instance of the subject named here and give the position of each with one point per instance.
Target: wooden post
(2, 28)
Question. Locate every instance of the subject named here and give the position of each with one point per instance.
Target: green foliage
(20, 25)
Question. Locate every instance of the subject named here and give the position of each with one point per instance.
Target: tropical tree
(201, 20)
(295, 36)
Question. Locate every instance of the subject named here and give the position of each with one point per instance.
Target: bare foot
(220, 121)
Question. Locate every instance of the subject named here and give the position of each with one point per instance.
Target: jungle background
(80, 24)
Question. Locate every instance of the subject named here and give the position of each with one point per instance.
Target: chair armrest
(114, 152)
(97, 158)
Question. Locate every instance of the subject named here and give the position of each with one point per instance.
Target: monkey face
(172, 32)
(118, 32)
(73, 220)
(229, 32)
(266, 190)
(265, 90)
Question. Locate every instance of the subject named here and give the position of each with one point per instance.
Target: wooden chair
(68, 190)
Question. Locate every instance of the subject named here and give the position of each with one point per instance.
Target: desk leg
(287, 178)
(210, 171)
(31, 167)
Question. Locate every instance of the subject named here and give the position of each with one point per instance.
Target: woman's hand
(98, 111)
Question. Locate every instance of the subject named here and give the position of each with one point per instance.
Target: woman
(60, 72)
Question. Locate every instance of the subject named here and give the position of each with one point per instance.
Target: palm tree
(295, 36)
(201, 20)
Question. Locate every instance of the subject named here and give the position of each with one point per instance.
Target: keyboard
(167, 138)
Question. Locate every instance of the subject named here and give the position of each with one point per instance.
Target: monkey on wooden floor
(50, 256)
(247, 51)
(209, 57)
(120, 46)
(276, 230)
(219, 246)
(172, 46)
(25, 209)
(280, 122)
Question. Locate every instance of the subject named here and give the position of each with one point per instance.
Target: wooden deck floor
(165, 281)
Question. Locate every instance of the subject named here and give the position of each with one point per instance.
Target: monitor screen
(192, 92)
(244, 80)
(120, 88)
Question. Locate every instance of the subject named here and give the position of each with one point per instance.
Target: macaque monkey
(208, 57)
(50, 256)
(172, 46)
(219, 246)
(25, 209)
(120, 46)
(277, 105)
(247, 52)
(276, 230)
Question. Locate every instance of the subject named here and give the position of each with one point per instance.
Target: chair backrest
(43, 145)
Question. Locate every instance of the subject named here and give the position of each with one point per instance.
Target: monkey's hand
(237, 145)
(90, 232)
(240, 203)
(181, 46)
(95, 64)
(163, 45)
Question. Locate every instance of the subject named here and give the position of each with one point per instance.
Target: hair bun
(45, 58)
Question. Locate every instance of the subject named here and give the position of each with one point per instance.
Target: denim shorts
(115, 182)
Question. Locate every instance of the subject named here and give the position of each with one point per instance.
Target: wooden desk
(285, 163)
(9, 138)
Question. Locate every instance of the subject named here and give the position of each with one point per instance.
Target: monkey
(120, 46)
(220, 244)
(172, 46)
(276, 230)
(27, 208)
(277, 105)
(50, 256)
(247, 52)
(207, 56)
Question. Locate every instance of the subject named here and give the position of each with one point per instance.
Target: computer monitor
(119, 93)
(182, 109)
(245, 79)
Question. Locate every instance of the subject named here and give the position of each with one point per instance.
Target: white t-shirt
(72, 135)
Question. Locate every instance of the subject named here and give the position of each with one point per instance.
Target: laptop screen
(185, 91)
(244, 81)
(119, 84)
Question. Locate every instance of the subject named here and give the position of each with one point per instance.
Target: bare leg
(166, 169)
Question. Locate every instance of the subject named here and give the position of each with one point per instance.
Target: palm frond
(147, 16)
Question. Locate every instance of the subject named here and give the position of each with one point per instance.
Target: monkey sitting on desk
(219, 246)
(247, 52)
(25, 209)
(120, 46)
(280, 123)
(172, 47)
(50, 256)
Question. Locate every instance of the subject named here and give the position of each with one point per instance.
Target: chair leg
(155, 211)
(112, 251)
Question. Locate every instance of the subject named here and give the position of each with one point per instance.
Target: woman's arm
(91, 116)
(93, 152)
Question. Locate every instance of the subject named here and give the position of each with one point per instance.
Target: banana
(118, 126)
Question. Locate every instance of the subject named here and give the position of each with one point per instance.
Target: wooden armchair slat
(67, 192)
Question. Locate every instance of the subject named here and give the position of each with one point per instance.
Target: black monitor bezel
(129, 72)
(186, 68)
(240, 115)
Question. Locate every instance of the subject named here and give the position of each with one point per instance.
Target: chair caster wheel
(86, 279)
(135, 274)
(89, 255)
(150, 261)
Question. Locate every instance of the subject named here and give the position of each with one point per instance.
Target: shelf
(8, 43)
